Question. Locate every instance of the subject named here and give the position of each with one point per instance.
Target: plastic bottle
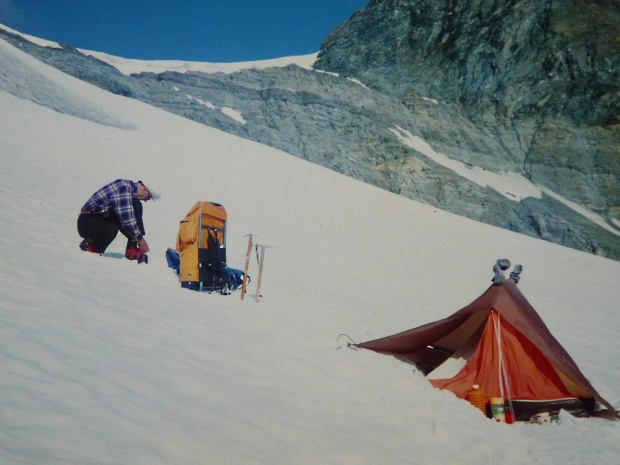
(477, 398)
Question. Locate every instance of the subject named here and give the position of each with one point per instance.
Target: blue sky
(193, 30)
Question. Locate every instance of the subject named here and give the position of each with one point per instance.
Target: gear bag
(201, 245)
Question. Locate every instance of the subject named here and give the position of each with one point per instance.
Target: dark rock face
(472, 79)
(542, 78)
(514, 58)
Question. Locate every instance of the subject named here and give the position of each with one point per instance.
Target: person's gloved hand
(133, 252)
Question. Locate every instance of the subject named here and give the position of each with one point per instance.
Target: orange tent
(500, 343)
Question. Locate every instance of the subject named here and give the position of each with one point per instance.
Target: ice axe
(247, 264)
(261, 261)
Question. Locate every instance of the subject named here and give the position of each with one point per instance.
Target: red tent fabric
(500, 343)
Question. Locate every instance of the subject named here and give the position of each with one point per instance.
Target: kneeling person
(113, 208)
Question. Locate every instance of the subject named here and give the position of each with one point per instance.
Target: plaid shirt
(116, 199)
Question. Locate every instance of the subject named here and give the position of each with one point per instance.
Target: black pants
(101, 231)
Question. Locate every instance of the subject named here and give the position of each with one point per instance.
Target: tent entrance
(505, 364)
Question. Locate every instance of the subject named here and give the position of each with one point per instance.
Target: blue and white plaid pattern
(116, 198)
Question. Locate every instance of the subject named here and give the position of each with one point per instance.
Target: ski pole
(260, 270)
(247, 264)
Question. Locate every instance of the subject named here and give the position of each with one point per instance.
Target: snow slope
(104, 361)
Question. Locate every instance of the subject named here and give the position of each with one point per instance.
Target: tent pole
(498, 336)
(503, 375)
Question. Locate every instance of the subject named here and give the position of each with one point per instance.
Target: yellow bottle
(498, 409)
(477, 398)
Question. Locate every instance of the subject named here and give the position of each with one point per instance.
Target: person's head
(148, 190)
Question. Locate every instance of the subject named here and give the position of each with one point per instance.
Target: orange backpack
(201, 245)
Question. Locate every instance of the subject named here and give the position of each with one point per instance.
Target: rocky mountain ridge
(543, 78)
(421, 90)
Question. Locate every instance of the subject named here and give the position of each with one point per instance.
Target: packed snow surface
(104, 361)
